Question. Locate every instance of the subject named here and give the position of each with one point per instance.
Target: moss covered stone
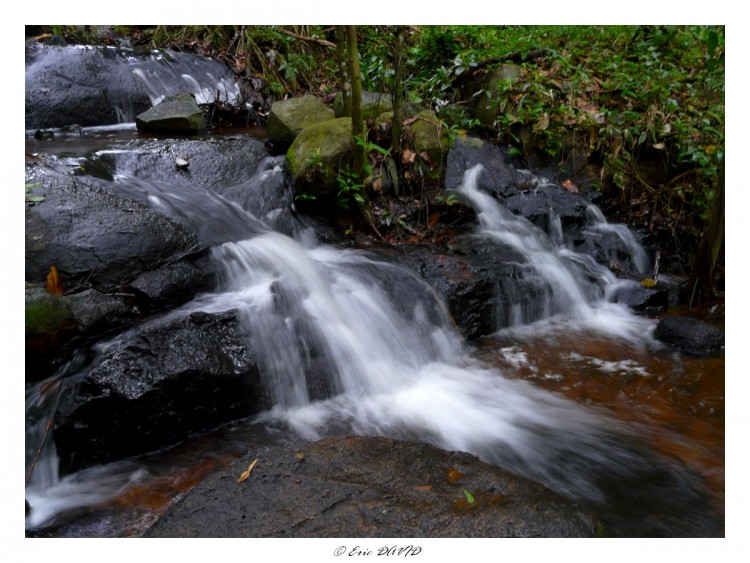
(318, 153)
(429, 136)
(45, 312)
(494, 86)
(373, 104)
(288, 118)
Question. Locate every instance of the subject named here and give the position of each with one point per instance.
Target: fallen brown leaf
(53, 284)
(246, 473)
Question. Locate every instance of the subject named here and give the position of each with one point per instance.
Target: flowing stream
(351, 344)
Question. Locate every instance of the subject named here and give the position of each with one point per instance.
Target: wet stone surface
(370, 487)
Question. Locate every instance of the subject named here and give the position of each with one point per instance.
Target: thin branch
(39, 451)
(323, 42)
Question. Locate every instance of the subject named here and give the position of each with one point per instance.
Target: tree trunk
(358, 124)
(398, 112)
(346, 87)
(710, 247)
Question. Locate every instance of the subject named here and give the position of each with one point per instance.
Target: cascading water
(348, 344)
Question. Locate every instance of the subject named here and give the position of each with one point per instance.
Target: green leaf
(469, 496)
(35, 198)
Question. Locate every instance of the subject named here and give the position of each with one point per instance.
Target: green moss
(429, 135)
(471, 142)
(288, 118)
(317, 154)
(45, 312)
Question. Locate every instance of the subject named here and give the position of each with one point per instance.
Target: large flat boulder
(96, 237)
(370, 487)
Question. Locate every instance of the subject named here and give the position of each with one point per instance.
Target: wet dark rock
(212, 162)
(172, 284)
(482, 284)
(641, 299)
(174, 114)
(88, 86)
(154, 386)
(519, 191)
(498, 175)
(692, 336)
(370, 487)
(94, 237)
(89, 315)
(537, 204)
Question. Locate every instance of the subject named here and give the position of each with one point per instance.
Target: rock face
(484, 287)
(498, 176)
(94, 236)
(370, 487)
(641, 299)
(116, 258)
(174, 114)
(692, 336)
(154, 386)
(288, 118)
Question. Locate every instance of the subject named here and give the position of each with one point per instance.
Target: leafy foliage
(623, 94)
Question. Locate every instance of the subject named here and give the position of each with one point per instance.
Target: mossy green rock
(428, 135)
(494, 85)
(373, 104)
(318, 153)
(178, 113)
(45, 312)
(288, 118)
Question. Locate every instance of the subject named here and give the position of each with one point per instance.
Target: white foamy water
(350, 344)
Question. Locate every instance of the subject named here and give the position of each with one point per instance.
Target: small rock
(692, 336)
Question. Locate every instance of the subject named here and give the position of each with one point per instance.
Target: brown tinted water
(677, 400)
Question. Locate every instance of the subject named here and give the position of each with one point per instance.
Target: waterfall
(348, 343)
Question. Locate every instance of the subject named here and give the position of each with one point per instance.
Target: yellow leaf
(648, 282)
(53, 284)
(246, 473)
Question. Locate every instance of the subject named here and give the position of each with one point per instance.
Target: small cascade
(330, 305)
(635, 255)
(573, 281)
(165, 73)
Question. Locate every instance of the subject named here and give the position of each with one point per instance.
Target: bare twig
(39, 451)
(323, 42)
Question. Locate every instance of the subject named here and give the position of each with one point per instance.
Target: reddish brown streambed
(676, 399)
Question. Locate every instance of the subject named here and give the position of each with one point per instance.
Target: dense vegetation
(644, 104)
